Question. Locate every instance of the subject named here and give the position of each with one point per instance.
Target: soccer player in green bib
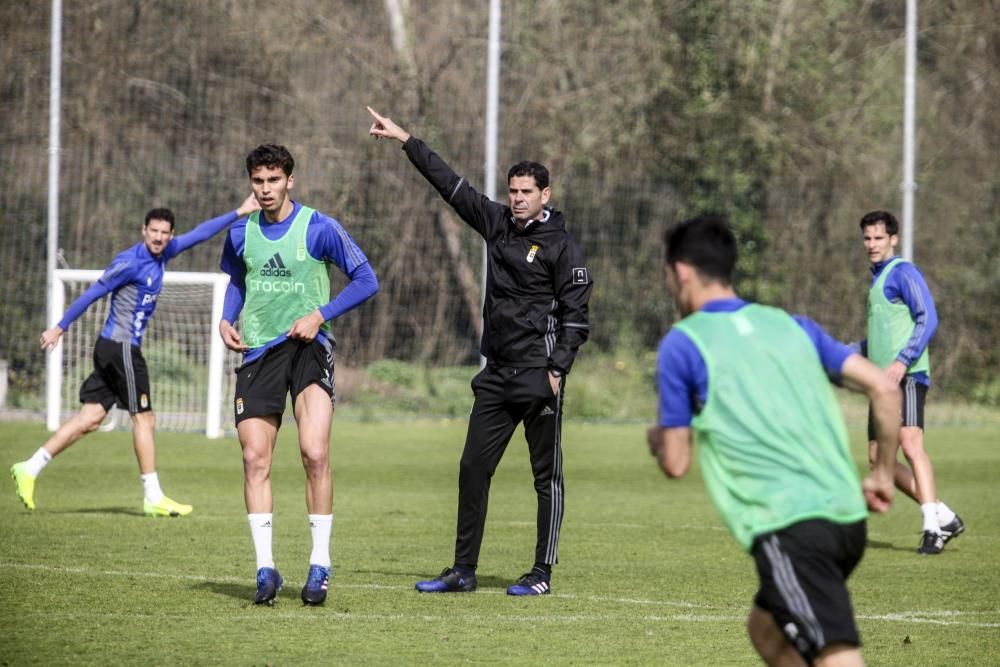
(278, 261)
(902, 320)
(750, 384)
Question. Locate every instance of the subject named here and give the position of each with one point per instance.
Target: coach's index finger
(384, 127)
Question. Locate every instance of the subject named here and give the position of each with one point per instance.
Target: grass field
(648, 574)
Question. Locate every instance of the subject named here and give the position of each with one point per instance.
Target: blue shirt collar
(723, 305)
(877, 267)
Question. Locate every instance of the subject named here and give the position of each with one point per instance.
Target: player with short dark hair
(751, 385)
(278, 261)
(902, 319)
(535, 319)
(134, 280)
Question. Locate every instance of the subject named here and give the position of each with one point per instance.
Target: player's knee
(256, 463)
(472, 467)
(144, 419)
(91, 425)
(316, 458)
(912, 446)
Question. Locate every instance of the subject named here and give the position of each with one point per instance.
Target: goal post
(185, 355)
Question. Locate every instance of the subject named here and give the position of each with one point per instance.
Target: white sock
(945, 515)
(320, 525)
(260, 530)
(151, 487)
(929, 510)
(37, 462)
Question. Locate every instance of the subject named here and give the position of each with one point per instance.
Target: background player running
(134, 279)
(902, 320)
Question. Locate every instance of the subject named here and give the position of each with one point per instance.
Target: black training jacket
(537, 283)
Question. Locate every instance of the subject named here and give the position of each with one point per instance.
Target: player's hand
(896, 371)
(50, 337)
(654, 438)
(384, 127)
(878, 493)
(305, 328)
(231, 337)
(249, 205)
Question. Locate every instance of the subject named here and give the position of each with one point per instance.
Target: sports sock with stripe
(321, 525)
(260, 531)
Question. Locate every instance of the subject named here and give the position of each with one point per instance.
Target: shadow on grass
(238, 591)
(103, 510)
(874, 544)
(482, 581)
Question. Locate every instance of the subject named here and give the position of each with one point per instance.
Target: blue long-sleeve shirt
(135, 278)
(682, 376)
(906, 284)
(327, 241)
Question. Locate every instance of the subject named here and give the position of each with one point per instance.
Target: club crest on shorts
(580, 275)
(239, 406)
(143, 401)
(531, 254)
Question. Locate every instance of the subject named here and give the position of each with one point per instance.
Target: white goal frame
(216, 354)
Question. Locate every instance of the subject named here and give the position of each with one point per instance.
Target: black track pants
(504, 398)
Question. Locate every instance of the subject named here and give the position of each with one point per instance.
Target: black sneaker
(931, 543)
(953, 529)
(449, 581)
(532, 583)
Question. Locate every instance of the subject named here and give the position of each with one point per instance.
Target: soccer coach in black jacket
(535, 318)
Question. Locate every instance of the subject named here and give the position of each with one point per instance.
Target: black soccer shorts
(119, 376)
(288, 368)
(914, 398)
(803, 572)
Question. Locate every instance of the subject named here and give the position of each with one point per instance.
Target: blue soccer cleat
(449, 581)
(314, 592)
(532, 583)
(269, 582)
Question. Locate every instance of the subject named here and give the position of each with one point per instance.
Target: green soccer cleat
(24, 484)
(166, 507)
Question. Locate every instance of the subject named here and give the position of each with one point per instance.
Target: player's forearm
(232, 304)
(909, 285)
(472, 206)
(564, 351)
(861, 375)
(574, 328)
(363, 286)
(432, 167)
(205, 231)
(924, 326)
(886, 406)
(674, 455)
(78, 307)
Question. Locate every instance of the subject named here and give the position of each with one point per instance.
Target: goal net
(190, 373)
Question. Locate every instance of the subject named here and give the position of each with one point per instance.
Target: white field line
(935, 617)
